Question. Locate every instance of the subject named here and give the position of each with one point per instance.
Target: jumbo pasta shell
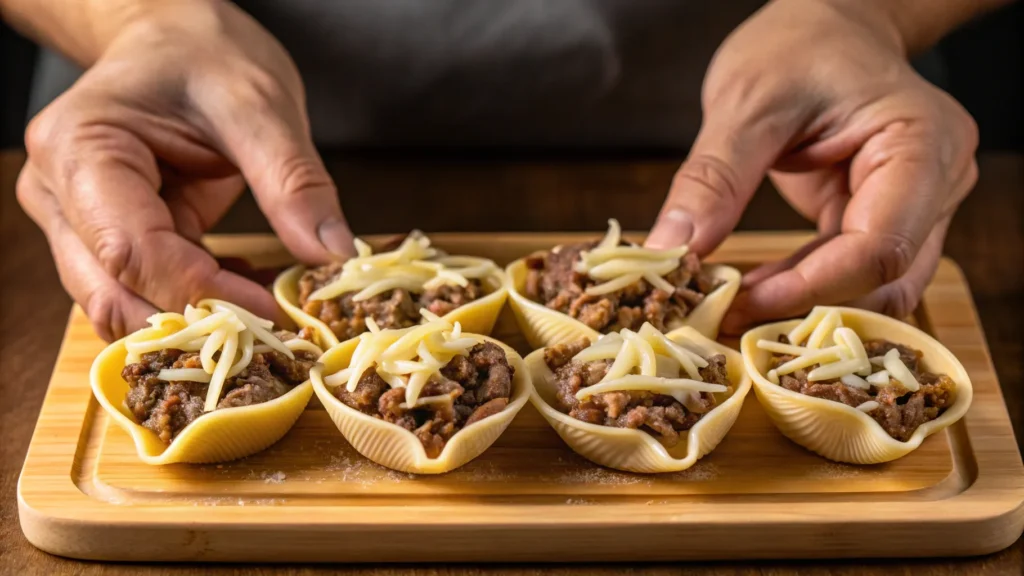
(219, 436)
(634, 450)
(543, 326)
(397, 448)
(477, 317)
(840, 432)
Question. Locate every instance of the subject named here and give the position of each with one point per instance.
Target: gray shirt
(493, 72)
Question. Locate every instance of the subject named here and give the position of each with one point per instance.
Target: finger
(899, 299)
(107, 190)
(729, 159)
(113, 309)
(271, 146)
(898, 195)
(197, 205)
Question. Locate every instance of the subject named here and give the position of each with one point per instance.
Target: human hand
(819, 95)
(151, 147)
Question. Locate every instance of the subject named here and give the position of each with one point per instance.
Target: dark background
(980, 64)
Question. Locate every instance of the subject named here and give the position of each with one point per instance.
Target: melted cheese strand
(899, 371)
(659, 282)
(245, 344)
(213, 343)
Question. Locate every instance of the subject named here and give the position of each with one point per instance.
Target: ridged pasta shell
(397, 448)
(634, 450)
(218, 436)
(840, 432)
(543, 326)
(477, 317)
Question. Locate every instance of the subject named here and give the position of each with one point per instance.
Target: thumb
(727, 163)
(276, 155)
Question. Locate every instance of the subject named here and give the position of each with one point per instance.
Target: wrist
(918, 24)
(82, 30)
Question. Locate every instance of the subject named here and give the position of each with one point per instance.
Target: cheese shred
(648, 361)
(839, 353)
(225, 336)
(407, 358)
(415, 266)
(616, 267)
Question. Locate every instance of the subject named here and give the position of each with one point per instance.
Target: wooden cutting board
(83, 492)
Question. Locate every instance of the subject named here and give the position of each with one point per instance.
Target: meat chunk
(478, 385)
(552, 280)
(660, 415)
(391, 309)
(900, 411)
(168, 407)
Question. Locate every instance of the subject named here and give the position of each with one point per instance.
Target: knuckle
(300, 176)
(716, 181)
(117, 255)
(41, 131)
(894, 254)
(105, 315)
(901, 300)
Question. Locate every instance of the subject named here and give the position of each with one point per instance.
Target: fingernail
(336, 237)
(673, 228)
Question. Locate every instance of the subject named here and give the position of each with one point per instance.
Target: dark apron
(566, 73)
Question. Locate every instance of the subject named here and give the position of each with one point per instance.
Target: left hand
(819, 96)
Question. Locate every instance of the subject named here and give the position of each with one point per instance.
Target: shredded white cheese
(868, 406)
(406, 358)
(648, 361)
(225, 336)
(839, 353)
(618, 266)
(414, 266)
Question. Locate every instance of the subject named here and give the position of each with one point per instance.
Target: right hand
(130, 166)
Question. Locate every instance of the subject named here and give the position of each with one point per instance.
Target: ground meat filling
(391, 309)
(900, 411)
(551, 281)
(168, 407)
(480, 385)
(659, 415)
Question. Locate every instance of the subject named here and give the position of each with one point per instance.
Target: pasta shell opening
(218, 436)
(395, 447)
(634, 450)
(478, 316)
(543, 326)
(834, 430)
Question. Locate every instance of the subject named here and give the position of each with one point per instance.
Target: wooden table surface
(986, 238)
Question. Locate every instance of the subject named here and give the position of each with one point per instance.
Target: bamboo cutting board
(83, 492)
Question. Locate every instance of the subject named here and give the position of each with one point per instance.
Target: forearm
(79, 29)
(920, 24)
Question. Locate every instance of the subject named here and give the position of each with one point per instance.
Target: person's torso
(502, 72)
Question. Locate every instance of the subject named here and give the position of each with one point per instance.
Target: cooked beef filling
(168, 407)
(900, 411)
(479, 384)
(552, 281)
(392, 309)
(659, 415)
